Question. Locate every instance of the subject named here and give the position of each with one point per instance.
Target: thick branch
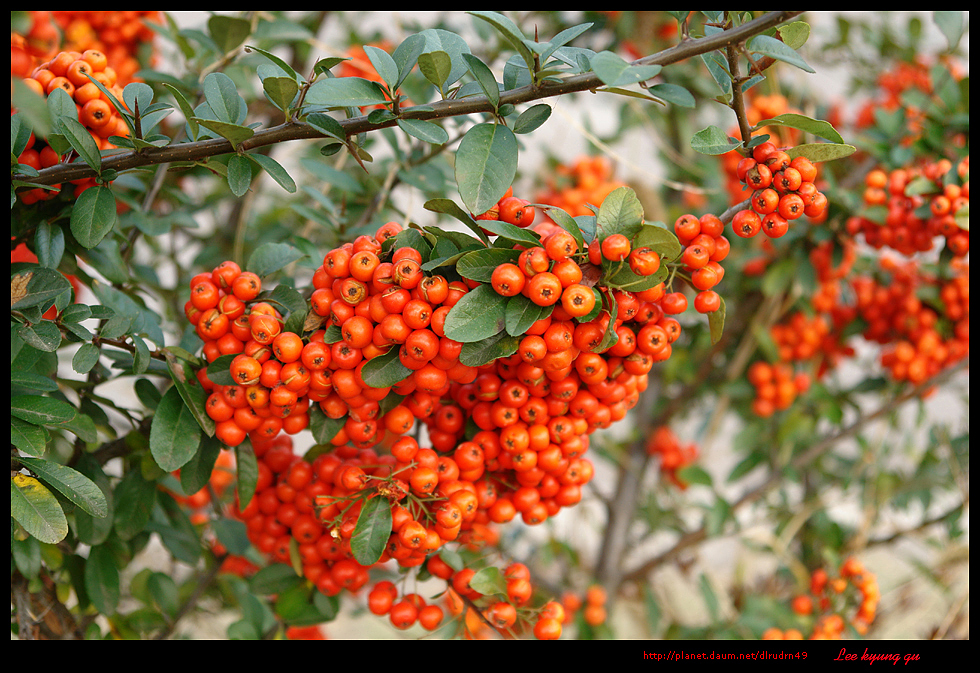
(199, 150)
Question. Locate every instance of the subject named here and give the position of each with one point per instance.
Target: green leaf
(82, 142)
(44, 336)
(817, 152)
(27, 437)
(134, 498)
(345, 92)
(770, 46)
(383, 64)
(36, 286)
(92, 530)
(716, 322)
(190, 391)
(233, 534)
(274, 579)
(435, 66)
(715, 63)
(660, 239)
(425, 131)
(75, 486)
(486, 163)
(484, 77)
(568, 223)
(509, 30)
(372, 531)
(233, 133)
(228, 32)
(102, 579)
(806, 124)
(247, 473)
(385, 370)
(479, 265)
(489, 581)
(451, 208)
(327, 125)
(532, 118)
(479, 353)
(222, 97)
(614, 71)
(521, 313)
(712, 140)
(271, 257)
(174, 432)
(41, 410)
(794, 34)
(163, 589)
(281, 91)
(36, 509)
(479, 314)
(239, 174)
(285, 67)
(672, 93)
(93, 215)
(620, 213)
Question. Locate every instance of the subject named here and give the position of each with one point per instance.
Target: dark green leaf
(41, 410)
(425, 131)
(532, 118)
(479, 353)
(239, 174)
(479, 265)
(133, 498)
(93, 215)
(713, 141)
(385, 370)
(75, 486)
(478, 315)
(174, 433)
(372, 531)
(271, 257)
(486, 163)
(102, 579)
(770, 46)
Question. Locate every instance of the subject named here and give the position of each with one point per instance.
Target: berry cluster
(920, 338)
(705, 248)
(673, 455)
(782, 190)
(776, 386)
(915, 206)
(824, 610)
(123, 36)
(70, 71)
(271, 372)
(505, 436)
(757, 108)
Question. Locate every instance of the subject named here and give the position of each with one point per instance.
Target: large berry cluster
(73, 72)
(782, 190)
(507, 414)
(124, 36)
(910, 208)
